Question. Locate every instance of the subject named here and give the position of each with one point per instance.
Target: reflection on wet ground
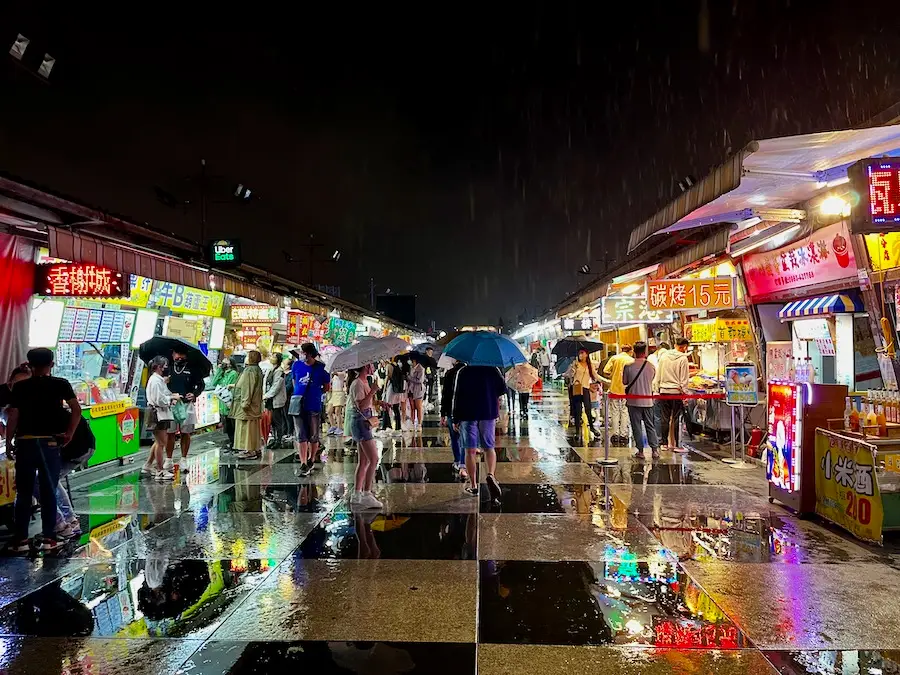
(675, 565)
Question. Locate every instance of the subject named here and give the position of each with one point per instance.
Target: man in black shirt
(189, 385)
(39, 426)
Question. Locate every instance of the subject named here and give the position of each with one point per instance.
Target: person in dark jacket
(475, 410)
(189, 385)
(459, 461)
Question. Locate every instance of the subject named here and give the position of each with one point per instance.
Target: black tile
(645, 602)
(421, 536)
(411, 658)
(545, 498)
(416, 472)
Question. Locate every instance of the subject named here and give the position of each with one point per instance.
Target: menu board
(96, 325)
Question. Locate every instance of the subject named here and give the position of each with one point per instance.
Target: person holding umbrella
(248, 408)
(416, 382)
(188, 382)
(581, 374)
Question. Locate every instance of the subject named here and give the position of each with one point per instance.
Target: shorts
(479, 434)
(338, 399)
(360, 429)
(153, 424)
(189, 424)
(306, 426)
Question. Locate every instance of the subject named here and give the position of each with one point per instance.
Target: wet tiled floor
(679, 565)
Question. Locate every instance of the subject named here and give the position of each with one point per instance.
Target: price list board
(96, 325)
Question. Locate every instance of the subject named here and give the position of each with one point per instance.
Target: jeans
(670, 412)
(638, 415)
(523, 401)
(279, 424)
(583, 400)
(459, 457)
(41, 456)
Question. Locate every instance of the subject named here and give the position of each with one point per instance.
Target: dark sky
(475, 155)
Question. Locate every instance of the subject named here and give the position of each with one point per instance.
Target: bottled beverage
(892, 407)
(854, 417)
(871, 417)
(847, 413)
(881, 418)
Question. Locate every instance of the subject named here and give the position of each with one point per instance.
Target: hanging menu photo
(93, 325)
(67, 325)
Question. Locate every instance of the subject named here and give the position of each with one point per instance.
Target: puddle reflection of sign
(631, 309)
(691, 294)
(740, 384)
(847, 490)
(688, 634)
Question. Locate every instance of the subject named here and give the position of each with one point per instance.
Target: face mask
(180, 361)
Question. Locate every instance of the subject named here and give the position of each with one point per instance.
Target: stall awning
(821, 306)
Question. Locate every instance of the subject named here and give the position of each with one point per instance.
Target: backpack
(398, 380)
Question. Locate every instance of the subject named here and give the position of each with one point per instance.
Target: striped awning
(820, 306)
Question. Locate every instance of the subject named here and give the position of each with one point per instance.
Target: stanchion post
(743, 442)
(606, 461)
(733, 449)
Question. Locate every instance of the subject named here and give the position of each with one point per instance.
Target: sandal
(250, 455)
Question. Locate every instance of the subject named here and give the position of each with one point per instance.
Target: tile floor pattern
(674, 566)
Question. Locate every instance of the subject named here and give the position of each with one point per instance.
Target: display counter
(858, 482)
(116, 429)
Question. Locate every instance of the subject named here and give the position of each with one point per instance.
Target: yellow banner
(884, 250)
(141, 287)
(111, 408)
(846, 485)
(7, 482)
(188, 300)
(720, 330)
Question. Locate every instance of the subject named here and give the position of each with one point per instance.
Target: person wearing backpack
(638, 379)
(37, 429)
(396, 392)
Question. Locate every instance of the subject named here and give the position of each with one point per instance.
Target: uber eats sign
(225, 253)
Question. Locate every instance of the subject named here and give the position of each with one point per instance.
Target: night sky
(475, 155)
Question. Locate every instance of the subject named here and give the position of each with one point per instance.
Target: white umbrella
(522, 377)
(368, 351)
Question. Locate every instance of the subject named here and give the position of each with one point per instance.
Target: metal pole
(733, 449)
(606, 461)
(743, 441)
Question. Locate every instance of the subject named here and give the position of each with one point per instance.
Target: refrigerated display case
(794, 411)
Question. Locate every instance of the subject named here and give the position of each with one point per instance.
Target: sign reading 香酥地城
(79, 280)
(255, 314)
(225, 253)
(187, 300)
(740, 384)
(631, 309)
(692, 294)
(822, 257)
(847, 491)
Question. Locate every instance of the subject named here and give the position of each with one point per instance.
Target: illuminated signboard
(632, 309)
(877, 183)
(785, 420)
(692, 294)
(79, 280)
(691, 634)
(255, 314)
(584, 323)
(225, 253)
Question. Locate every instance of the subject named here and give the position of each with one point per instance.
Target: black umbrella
(424, 359)
(164, 346)
(569, 347)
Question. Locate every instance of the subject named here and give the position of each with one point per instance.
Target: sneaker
(357, 496)
(165, 474)
(463, 474)
(50, 544)
(17, 547)
(168, 465)
(75, 524)
(639, 454)
(472, 490)
(147, 470)
(305, 469)
(493, 486)
(369, 501)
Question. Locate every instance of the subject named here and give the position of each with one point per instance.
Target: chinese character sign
(822, 257)
(584, 323)
(847, 491)
(740, 384)
(295, 319)
(255, 314)
(631, 309)
(187, 300)
(783, 456)
(691, 294)
(77, 280)
(340, 332)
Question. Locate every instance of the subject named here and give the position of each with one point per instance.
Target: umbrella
(446, 362)
(447, 339)
(570, 346)
(424, 359)
(368, 351)
(485, 348)
(562, 365)
(522, 377)
(164, 346)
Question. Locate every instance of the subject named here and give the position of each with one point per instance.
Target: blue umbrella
(484, 348)
(562, 365)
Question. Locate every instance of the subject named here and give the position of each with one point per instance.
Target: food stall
(858, 482)
(794, 411)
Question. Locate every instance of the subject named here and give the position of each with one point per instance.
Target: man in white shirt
(672, 379)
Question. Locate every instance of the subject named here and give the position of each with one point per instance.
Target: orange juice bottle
(854, 417)
(871, 417)
(881, 419)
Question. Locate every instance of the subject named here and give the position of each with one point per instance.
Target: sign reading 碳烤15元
(255, 314)
(79, 280)
(631, 309)
(692, 294)
(847, 490)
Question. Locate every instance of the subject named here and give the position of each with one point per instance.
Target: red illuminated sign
(79, 280)
(783, 460)
(877, 182)
(688, 634)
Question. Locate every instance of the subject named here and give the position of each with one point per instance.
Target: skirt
(394, 398)
(247, 435)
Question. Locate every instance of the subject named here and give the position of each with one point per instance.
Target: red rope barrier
(669, 397)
